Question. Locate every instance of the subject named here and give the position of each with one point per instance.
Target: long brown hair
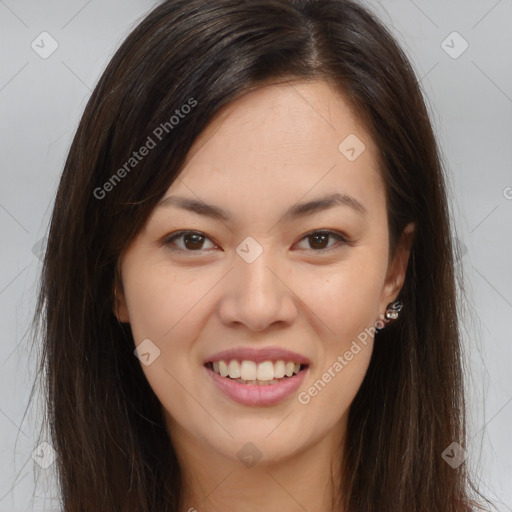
(106, 424)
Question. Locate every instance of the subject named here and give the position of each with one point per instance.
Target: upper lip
(258, 355)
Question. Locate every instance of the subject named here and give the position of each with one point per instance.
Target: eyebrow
(296, 211)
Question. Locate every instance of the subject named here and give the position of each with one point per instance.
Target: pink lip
(256, 395)
(258, 355)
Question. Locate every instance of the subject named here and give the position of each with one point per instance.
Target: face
(269, 250)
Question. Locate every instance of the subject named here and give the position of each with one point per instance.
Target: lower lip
(255, 394)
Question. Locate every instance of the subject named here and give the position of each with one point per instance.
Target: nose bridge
(257, 277)
(256, 296)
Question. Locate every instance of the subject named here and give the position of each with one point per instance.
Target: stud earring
(393, 310)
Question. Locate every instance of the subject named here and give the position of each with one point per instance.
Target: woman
(248, 292)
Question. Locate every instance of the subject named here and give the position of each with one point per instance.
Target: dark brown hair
(106, 424)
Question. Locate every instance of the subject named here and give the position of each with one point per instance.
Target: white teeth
(223, 369)
(279, 369)
(249, 372)
(234, 369)
(266, 370)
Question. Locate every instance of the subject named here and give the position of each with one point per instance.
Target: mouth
(252, 373)
(262, 383)
(257, 377)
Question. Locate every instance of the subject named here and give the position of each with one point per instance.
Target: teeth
(223, 369)
(249, 372)
(234, 369)
(266, 371)
(257, 382)
(279, 369)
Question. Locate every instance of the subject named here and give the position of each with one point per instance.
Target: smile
(253, 373)
(253, 391)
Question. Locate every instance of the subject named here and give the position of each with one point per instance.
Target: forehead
(304, 114)
(283, 140)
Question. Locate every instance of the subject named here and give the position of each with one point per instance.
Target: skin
(265, 152)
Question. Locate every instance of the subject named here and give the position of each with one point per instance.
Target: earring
(393, 309)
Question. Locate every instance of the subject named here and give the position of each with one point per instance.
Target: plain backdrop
(51, 56)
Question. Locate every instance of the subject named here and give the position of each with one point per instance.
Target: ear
(397, 268)
(120, 309)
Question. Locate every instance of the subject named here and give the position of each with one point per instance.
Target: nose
(257, 296)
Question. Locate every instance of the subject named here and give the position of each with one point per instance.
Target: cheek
(151, 310)
(165, 307)
(160, 300)
(169, 307)
(345, 298)
(347, 303)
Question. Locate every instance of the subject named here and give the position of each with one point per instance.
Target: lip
(258, 355)
(256, 395)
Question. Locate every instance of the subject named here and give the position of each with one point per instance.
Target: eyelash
(170, 239)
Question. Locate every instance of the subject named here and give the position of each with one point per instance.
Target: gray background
(470, 99)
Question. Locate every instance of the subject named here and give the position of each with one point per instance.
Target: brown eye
(193, 241)
(319, 240)
(188, 241)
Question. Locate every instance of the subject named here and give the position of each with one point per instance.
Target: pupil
(193, 241)
(321, 236)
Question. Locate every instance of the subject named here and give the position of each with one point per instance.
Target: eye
(194, 241)
(318, 240)
(188, 241)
